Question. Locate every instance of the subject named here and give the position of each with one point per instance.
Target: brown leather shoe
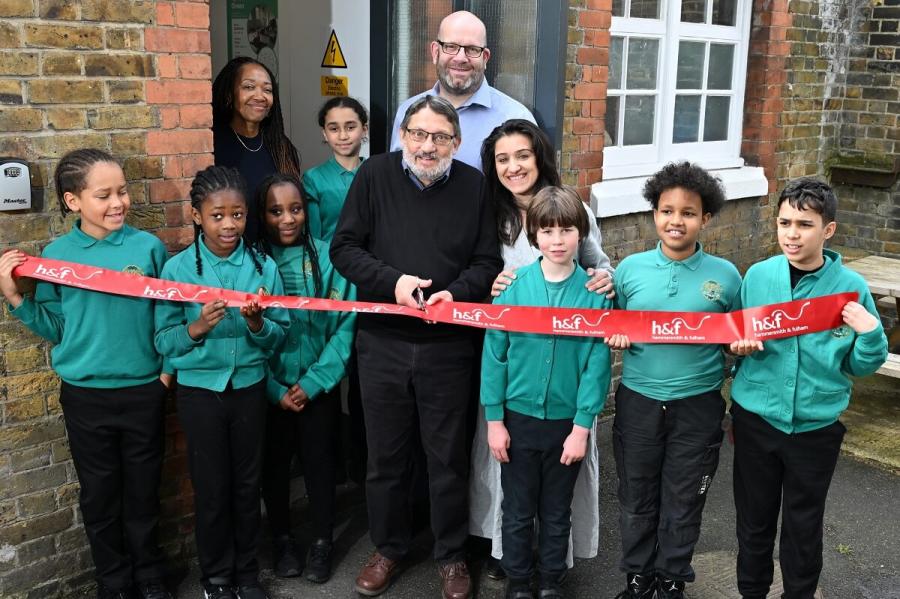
(375, 577)
(456, 582)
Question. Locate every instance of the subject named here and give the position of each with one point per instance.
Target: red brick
(587, 160)
(179, 142)
(177, 213)
(196, 117)
(591, 18)
(165, 15)
(598, 108)
(176, 40)
(191, 165)
(168, 117)
(167, 190)
(195, 66)
(192, 14)
(177, 239)
(599, 4)
(178, 92)
(167, 66)
(583, 126)
(590, 91)
(592, 56)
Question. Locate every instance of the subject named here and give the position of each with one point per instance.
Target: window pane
(723, 12)
(612, 121)
(690, 65)
(644, 9)
(693, 11)
(513, 55)
(642, 53)
(715, 121)
(639, 120)
(687, 119)
(721, 59)
(615, 62)
(618, 8)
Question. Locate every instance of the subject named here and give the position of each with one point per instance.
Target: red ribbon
(774, 321)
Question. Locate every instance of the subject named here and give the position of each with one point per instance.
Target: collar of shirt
(412, 176)
(336, 166)
(692, 262)
(481, 97)
(84, 240)
(236, 257)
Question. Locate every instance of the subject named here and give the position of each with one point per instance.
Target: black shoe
(215, 591)
(104, 592)
(318, 561)
(550, 593)
(638, 586)
(286, 557)
(153, 589)
(493, 569)
(250, 591)
(519, 589)
(669, 589)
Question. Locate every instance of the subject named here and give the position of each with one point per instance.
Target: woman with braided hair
(220, 355)
(248, 128)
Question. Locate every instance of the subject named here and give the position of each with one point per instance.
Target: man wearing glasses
(394, 243)
(460, 55)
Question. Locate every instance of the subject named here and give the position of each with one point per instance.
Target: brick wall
(132, 78)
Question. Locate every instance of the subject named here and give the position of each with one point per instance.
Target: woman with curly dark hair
(248, 128)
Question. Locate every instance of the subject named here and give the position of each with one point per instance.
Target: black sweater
(388, 227)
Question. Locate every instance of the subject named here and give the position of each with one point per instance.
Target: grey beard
(468, 85)
(427, 174)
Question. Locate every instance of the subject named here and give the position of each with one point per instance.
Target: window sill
(615, 197)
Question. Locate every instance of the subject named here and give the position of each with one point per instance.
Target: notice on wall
(335, 85)
(253, 31)
(334, 56)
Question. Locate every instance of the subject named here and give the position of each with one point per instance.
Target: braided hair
(72, 171)
(209, 181)
(305, 239)
(284, 154)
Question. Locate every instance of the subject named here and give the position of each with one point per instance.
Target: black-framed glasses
(439, 139)
(453, 49)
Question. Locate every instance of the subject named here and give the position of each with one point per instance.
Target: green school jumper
(326, 188)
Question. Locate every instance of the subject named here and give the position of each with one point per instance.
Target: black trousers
(666, 456)
(116, 440)
(408, 385)
(312, 433)
(788, 472)
(225, 445)
(535, 483)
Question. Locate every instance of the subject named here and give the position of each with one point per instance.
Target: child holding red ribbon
(539, 418)
(303, 385)
(112, 394)
(669, 409)
(789, 393)
(220, 355)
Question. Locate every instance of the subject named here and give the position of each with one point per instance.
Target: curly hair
(305, 239)
(284, 154)
(72, 172)
(688, 176)
(509, 220)
(807, 193)
(207, 182)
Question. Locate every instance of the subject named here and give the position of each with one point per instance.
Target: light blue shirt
(478, 116)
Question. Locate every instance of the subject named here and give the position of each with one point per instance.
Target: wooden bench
(891, 367)
(882, 274)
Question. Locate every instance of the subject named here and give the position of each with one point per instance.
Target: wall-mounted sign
(253, 31)
(334, 57)
(335, 85)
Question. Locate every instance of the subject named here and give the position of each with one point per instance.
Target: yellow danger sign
(334, 57)
(335, 85)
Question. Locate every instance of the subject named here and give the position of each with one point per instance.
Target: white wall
(303, 32)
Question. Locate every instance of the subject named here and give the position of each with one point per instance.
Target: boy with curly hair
(669, 409)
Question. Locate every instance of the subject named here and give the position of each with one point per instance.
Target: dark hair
(509, 220)
(284, 154)
(690, 177)
(437, 105)
(807, 193)
(556, 207)
(209, 181)
(306, 240)
(72, 172)
(343, 102)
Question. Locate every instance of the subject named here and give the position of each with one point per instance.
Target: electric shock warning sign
(334, 56)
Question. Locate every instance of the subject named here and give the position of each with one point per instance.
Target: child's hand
(294, 399)
(498, 440)
(8, 286)
(745, 347)
(618, 341)
(211, 314)
(503, 280)
(601, 282)
(858, 318)
(167, 380)
(575, 446)
(252, 313)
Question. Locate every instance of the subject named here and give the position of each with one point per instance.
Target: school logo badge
(133, 269)
(263, 291)
(334, 294)
(307, 267)
(840, 332)
(711, 290)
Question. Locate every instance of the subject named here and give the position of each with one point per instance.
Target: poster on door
(253, 31)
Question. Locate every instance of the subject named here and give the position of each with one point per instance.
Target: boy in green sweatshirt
(788, 394)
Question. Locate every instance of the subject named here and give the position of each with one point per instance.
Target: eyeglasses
(439, 139)
(453, 49)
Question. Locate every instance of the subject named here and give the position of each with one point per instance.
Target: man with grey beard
(460, 55)
(392, 241)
